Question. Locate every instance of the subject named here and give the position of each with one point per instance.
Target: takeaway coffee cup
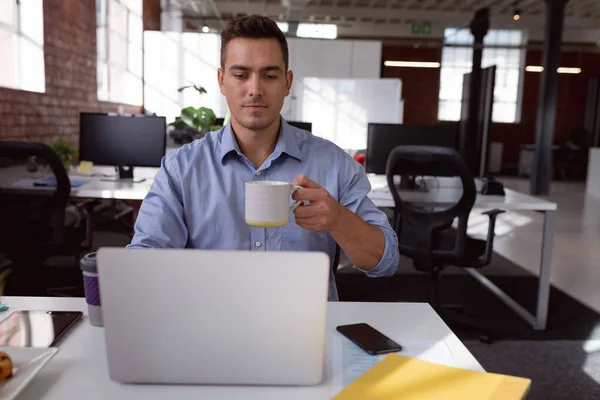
(92, 291)
(267, 203)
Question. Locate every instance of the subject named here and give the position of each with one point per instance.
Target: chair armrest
(489, 242)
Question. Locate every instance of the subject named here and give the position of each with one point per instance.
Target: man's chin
(256, 124)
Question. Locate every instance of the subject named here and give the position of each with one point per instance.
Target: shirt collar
(228, 142)
(286, 142)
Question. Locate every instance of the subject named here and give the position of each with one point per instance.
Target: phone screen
(369, 339)
(36, 328)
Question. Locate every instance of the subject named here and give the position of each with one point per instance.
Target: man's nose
(255, 89)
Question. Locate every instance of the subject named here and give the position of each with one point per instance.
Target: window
(503, 50)
(119, 32)
(22, 45)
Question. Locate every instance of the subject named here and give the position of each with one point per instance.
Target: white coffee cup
(268, 203)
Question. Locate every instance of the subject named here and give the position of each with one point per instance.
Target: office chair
(426, 234)
(336, 259)
(32, 226)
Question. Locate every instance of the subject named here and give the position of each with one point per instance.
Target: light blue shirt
(197, 198)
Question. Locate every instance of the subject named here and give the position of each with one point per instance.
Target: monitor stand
(125, 175)
(408, 184)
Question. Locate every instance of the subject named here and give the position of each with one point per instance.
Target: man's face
(254, 81)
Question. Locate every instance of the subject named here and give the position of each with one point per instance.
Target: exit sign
(421, 28)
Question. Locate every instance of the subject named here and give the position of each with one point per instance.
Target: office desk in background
(442, 191)
(79, 369)
(445, 191)
(95, 187)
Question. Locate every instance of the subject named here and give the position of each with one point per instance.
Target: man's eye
(240, 76)
(271, 76)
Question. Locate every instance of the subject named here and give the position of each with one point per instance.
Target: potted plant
(65, 150)
(194, 122)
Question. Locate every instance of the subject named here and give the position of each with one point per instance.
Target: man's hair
(253, 27)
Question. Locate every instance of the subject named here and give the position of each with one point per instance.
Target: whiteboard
(340, 109)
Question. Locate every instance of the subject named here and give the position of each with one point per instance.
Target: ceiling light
(412, 64)
(534, 68)
(205, 29)
(283, 26)
(516, 12)
(560, 70)
(565, 70)
(317, 31)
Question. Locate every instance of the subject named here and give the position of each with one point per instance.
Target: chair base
(454, 317)
(454, 314)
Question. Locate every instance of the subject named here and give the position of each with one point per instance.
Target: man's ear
(220, 79)
(289, 79)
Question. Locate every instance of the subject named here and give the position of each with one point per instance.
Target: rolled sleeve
(355, 198)
(389, 261)
(160, 222)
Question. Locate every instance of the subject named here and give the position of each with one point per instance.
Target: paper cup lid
(88, 263)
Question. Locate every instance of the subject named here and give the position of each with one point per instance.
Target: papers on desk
(350, 361)
(425, 370)
(51, 181)
(28, 183)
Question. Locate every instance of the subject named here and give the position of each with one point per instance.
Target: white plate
(27, 362)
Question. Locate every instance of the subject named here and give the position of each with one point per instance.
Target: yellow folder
(404, 378)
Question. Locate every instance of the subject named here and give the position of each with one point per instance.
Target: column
(541, 173)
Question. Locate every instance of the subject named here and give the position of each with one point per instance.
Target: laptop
(187, 316)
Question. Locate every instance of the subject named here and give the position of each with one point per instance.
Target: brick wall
(151, 15)
(420, 86)
(70, 62)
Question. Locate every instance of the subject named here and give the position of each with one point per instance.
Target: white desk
(94, 188)
(449, 192)
(79, 370)
(446, 191)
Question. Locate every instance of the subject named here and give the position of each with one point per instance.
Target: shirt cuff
(389, 260)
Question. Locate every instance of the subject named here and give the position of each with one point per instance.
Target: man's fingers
(310, 194)
(310, 227)
(304, 181)
(310, 210)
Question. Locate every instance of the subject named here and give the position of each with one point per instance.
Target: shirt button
(257, 244)
(257, 173)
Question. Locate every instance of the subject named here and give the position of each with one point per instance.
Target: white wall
(173, 60)
(341, 109)
(328, 59)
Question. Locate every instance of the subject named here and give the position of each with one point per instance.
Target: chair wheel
(483, 338)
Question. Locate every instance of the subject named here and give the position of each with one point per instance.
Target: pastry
(6, 366)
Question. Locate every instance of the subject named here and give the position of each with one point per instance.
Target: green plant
(200, 119)
(65, 150)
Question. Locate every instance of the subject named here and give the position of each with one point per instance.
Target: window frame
(16, 29)
(518, 103)
(103, 22)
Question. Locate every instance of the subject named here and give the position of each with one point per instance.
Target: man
(197, 199)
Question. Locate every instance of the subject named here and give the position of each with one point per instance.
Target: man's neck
(257, 146)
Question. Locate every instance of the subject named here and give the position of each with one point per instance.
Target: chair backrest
(25, 212)
(425, 222)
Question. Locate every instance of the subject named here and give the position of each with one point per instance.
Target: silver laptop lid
(214, 317)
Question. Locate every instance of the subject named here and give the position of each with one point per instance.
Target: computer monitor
(383, 138)
(307, 126)
(122, 141)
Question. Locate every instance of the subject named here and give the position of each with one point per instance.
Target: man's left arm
(360, 228)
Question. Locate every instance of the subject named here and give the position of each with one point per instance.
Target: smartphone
(36, 328)
(369, 339)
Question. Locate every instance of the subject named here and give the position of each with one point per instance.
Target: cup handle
(293, 188)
